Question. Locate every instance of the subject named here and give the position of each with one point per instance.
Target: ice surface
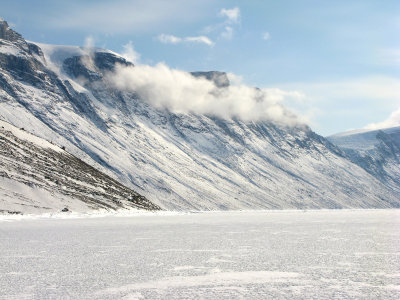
(343, 254)
(17, 196)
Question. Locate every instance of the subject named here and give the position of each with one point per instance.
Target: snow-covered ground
(338, 254)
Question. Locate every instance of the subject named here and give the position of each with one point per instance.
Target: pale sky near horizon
(342, 56)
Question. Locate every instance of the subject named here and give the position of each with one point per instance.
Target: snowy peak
(6, 33)
(93, 66)
(12, 42)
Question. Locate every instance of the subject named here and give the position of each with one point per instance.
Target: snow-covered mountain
(178, 160)
(364, 139)
(37, 176)
(376, 151)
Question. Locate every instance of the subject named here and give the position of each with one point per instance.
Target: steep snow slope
(181, 161)
(39, 177)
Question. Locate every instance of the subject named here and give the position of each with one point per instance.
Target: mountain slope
(376, 151)
(179, 160)
(39, 177)
(364, 140)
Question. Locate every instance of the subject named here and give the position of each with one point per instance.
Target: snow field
(343, 254)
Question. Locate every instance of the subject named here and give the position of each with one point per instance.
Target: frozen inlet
(232, 255)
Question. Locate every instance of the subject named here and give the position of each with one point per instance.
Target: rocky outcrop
(220, 79)
(6, 33)
(49, 168)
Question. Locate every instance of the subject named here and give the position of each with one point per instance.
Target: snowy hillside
(39, 177)
(179, 160)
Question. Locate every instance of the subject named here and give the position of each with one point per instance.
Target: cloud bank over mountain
(181, 92)
(392, 121)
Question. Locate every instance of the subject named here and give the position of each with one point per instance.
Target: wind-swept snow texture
(325, 254)
(39, 177)
(178, 160)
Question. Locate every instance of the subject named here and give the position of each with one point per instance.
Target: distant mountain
(365, 140)
(376, 151)
(178, 160)
(39, 177)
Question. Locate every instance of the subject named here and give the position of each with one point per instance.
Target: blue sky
(342, 56)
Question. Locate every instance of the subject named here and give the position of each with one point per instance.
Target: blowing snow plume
(181, 92)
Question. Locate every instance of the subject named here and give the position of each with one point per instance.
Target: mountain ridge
(180, 160)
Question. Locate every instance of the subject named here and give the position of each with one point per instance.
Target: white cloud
(347, 104)
(266, 36)
(226, 28)
(179, 91)
(392, 121)
(199, 39)
(227, 33)
(235, 79)
(171, 39)
(130, 54)
(87, 59)
(232, 14)
(89, 42)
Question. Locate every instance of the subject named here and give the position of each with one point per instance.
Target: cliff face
(179, 160)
